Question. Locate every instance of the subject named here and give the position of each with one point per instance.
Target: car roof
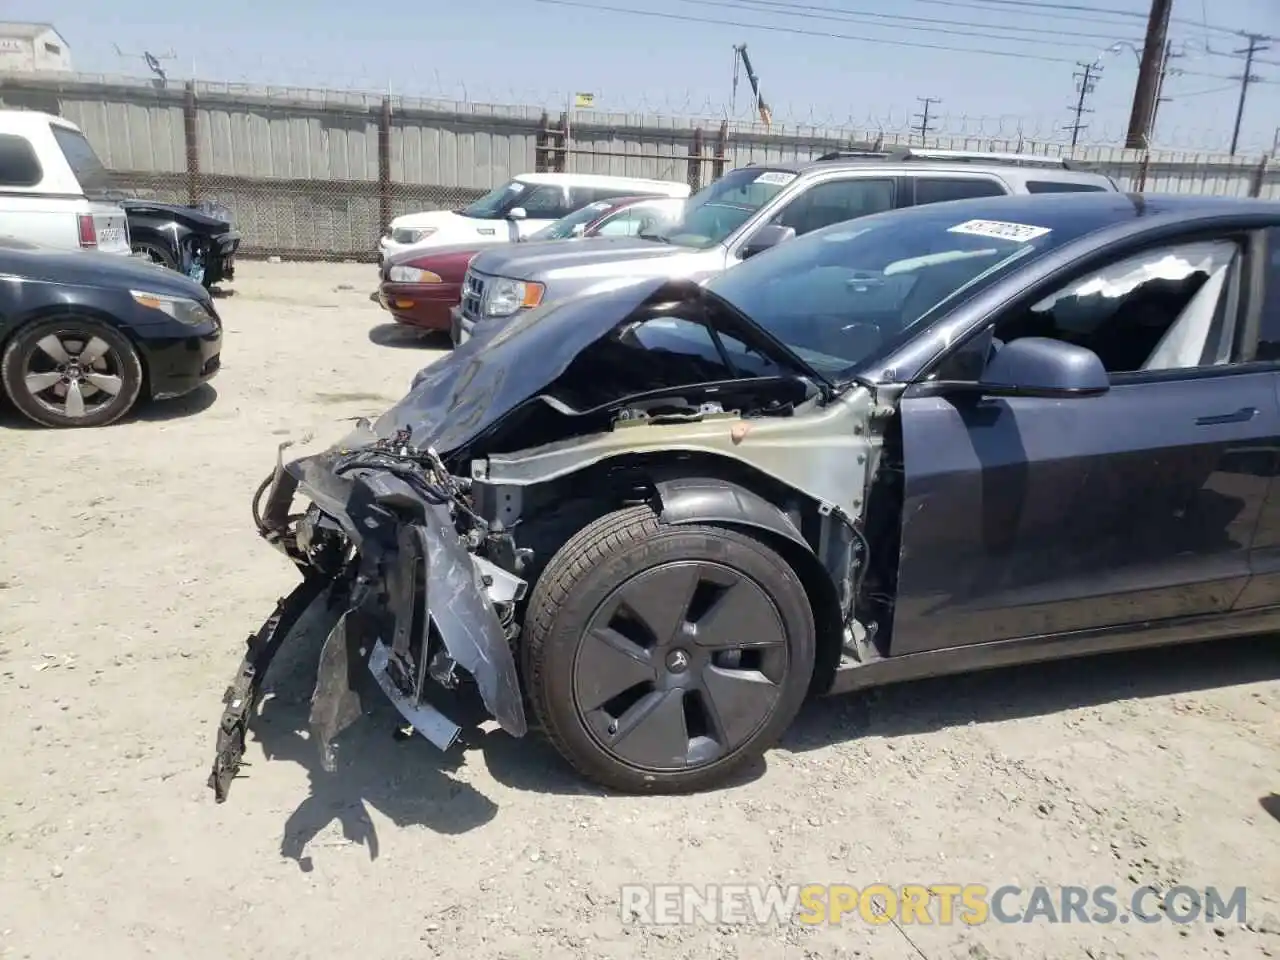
(908, 161)
(1074, 215)
(30, 119)
(598, 180)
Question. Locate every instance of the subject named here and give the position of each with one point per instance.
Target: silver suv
(747, 211)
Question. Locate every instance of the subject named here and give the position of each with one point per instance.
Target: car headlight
(403, 235)
(182, 309)
(504, 297)
(412, 275)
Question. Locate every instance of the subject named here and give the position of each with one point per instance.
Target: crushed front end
(389, 545)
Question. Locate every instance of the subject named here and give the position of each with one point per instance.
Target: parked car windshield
(840, 295)
(563, 228)
(719, 208)
(496, 202)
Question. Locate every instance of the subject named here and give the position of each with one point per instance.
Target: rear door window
(942, 189)
(549, 202)
(19, 166)
(1269, 324)
(834, 201)
(82, 159)
(1063, 186)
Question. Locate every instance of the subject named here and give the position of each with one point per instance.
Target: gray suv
(747, 211)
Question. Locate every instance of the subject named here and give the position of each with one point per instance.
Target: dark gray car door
(1026, 516)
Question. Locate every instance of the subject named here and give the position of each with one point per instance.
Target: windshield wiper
(655, 237)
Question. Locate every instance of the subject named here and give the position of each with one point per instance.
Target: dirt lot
(130, 574)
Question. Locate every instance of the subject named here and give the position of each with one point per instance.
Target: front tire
(71, 371)
(155, 253)
(662, 659)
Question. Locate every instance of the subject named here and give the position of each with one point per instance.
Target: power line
(1087, 77)
(925, 103)
(799, 31)
(805, 11)
(1038, 6)
(1257, 44)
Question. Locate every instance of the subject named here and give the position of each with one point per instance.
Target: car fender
(167, 233)
(686, 500)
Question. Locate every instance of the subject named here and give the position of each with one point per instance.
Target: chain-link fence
(320, 174)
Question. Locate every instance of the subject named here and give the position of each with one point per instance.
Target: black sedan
(940, 439)
(85, 335)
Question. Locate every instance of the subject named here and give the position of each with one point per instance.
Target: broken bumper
(404, 599)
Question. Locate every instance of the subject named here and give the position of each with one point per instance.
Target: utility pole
(1257, 44)
(923, 115)
(1087, 80)
(1144, 92)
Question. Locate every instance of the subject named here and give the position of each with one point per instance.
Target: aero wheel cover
(680, 666)
(73, 373)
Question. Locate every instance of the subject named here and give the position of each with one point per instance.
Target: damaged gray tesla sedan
(945, 438)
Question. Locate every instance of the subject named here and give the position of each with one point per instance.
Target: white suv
(48, 172)
(517, 209)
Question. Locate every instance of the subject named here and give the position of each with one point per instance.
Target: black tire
(156, 253)
(25, 360)
(619, 556)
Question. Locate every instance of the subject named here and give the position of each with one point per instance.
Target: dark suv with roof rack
(749, 210)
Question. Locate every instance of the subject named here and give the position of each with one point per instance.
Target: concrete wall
(310, 172)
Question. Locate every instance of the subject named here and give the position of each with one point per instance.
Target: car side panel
(1026, 517)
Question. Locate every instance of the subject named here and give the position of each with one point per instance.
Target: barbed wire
(693, 108)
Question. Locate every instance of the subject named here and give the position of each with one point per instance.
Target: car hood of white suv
(439, 227)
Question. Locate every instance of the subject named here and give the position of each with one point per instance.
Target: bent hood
(192, 216)
(533, 261)
(459, 397)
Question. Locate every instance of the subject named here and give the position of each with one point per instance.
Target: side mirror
(766, 237)
(1043, 367)
(517, 213)
(579, 229)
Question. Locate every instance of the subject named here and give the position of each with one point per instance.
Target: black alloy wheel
(661, 659)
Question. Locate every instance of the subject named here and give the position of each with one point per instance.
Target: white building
(32, 47)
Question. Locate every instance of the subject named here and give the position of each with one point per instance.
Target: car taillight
(88, 232)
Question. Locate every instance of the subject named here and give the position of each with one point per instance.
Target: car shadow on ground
(375, 769)
(1271, 804)
(1011, 693)
(410, 782)
(405, 779)
(188, 405)
(147, 411)
(404, 337)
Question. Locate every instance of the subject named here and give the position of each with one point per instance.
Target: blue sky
(535, 51)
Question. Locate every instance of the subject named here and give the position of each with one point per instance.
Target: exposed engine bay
(425, 531)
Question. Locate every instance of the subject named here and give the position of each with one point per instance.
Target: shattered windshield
(494, 204)
(720, 208)
(564, 228)
(839, 295)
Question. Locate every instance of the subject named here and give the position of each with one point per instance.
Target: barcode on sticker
(775, 177)
(1000, 230)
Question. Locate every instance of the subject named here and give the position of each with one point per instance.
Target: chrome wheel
(680, 666)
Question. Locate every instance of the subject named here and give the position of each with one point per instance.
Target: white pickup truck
(51, 184)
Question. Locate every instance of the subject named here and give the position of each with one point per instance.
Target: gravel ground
(130, 575)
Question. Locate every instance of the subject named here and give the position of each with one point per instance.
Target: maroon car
(420, 286)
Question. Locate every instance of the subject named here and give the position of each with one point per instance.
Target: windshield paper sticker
(999, 230)
(775, 178)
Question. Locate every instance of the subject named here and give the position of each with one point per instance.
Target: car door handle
(1243, 415)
